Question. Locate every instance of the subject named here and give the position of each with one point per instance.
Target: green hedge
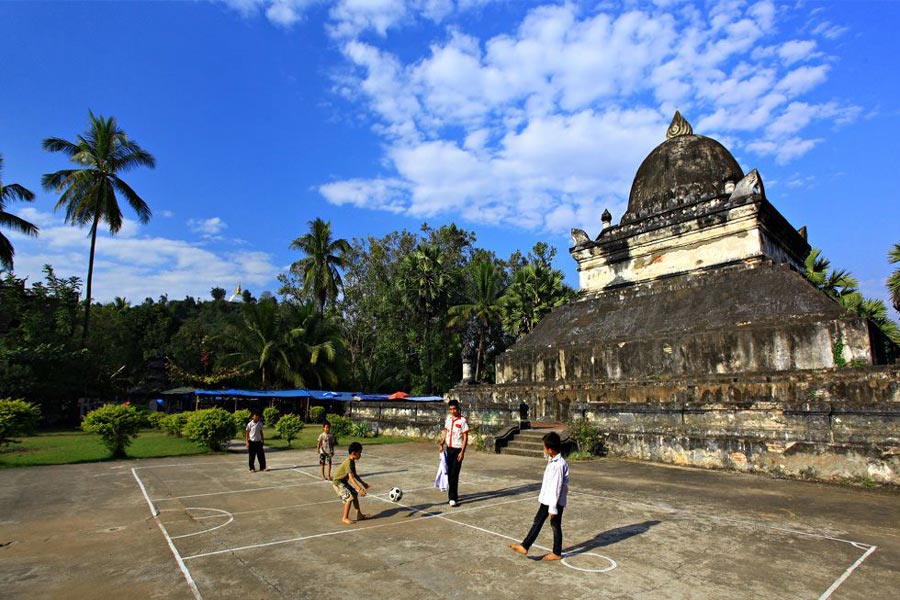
(241, 418)
(174, 424)
(212, 428)
(270, 416)
(116, 424)
(17, 417)
(316, 414)
(288, 427)
(340, 425)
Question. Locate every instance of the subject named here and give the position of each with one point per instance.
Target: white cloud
(796, 50)
(207, 227)
(138, 266)
(547, 121)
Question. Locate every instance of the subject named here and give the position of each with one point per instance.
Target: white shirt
(256, 431)
(555, 487)
(454, 430)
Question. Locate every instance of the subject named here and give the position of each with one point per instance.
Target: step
(526, 445)
(519, 452)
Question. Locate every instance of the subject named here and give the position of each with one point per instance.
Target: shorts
(324, 457)
(345, 491)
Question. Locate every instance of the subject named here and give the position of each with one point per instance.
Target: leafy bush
(17, 417)
(212, 428)
(360, 430)
(588, 437)
(270, 416)
(154, 419)
(241, 418)
(116, 424)
(174, 424)
(316, 414)
(340, 425)
(288, 427)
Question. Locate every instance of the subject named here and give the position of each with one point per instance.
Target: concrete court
(632, 530)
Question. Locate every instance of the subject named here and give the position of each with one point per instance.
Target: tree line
(375, 314)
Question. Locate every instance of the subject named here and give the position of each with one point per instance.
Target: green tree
(8, 193)
(17, 417)
(89, 192)
(116, 424)
(536, 289)
(483, 308)
(288, 427)
(319, 269)
(424, 283)
(260, 343)
(212, 428)
(893, 282)
(217, 293)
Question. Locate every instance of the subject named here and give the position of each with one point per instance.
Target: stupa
(701, 276)
(697, 339)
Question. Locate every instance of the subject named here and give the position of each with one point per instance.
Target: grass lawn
(75, 446)
(310, 433)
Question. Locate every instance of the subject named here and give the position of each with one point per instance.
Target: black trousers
(555, 524)
(256, 449)
(453, 468)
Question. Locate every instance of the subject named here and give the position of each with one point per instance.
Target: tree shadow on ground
(610, 537)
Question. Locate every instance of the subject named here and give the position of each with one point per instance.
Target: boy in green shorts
(348, 486)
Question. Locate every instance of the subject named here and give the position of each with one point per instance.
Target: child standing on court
(325, 447)
(253, 437)
(348, 486)
(554, 490)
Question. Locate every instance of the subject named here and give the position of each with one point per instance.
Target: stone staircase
(526, 443)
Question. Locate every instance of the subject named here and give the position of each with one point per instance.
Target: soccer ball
(395, 494)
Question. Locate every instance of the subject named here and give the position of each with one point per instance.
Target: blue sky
(517, 120)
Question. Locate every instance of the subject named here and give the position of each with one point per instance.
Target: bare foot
(361, 517)
(552, 556)
(346, 521)
(518, 548)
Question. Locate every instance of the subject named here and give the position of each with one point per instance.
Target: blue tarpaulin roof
(233, 393)
(314, 394)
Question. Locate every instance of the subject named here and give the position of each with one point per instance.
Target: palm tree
(483, 308)
(535, 290)
(9, 192)
(893, 282)
(424, 282)
(259, 344)
(89, 192)
(319, 268)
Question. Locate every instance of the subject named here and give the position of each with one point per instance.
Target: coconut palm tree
(424, 282)
(893, 282)
(319, 269)
(484, 307)
(89, 192)
(9, 192)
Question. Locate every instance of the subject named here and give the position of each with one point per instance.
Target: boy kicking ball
(554, 490)
(349, 486)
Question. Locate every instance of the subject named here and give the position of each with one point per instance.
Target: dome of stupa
(685, 167)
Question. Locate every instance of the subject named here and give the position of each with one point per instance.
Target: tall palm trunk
(90, 275)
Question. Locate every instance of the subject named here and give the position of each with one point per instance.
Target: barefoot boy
(553, 494)
(325, 447)
(348, 485)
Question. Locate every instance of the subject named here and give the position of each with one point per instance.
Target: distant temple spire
(679, 126)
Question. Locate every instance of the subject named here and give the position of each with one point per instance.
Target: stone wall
(834, 425)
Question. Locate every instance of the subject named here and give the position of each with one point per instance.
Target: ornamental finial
(679, 126)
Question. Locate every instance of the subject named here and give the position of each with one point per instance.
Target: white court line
(701, 516)
(847, 573)
(340, 532)
(243, 491)
(224, 512)
(155, 515)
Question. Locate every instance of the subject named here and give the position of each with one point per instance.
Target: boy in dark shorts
(552, 499)
(325, 447)
(348, 486)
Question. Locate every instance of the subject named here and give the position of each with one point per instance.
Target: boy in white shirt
(253, 437)
(554, 490)
(454, 439)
